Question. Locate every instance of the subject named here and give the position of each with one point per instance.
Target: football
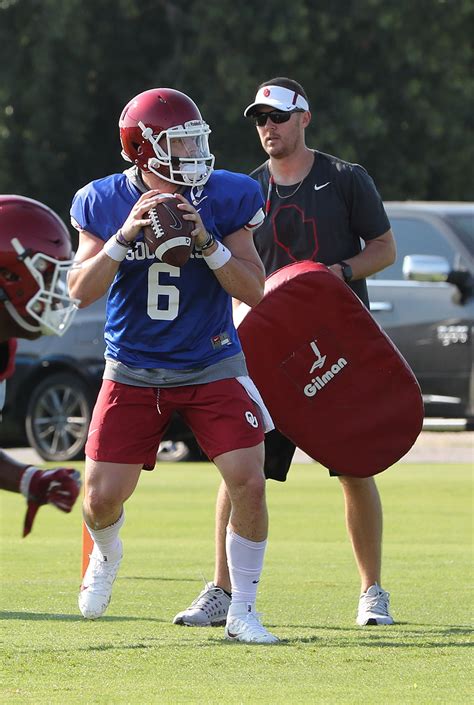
(169, 236)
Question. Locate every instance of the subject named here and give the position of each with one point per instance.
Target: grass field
(308, 595)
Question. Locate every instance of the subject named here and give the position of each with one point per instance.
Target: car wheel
(179, 452)
(58, 416)
(172, 452)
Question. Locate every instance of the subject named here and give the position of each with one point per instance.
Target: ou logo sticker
(251, 418)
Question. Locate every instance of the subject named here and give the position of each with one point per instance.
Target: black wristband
(209, 242)
(121, 240)
(346, 271)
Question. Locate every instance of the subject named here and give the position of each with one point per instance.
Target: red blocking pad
(331, 378)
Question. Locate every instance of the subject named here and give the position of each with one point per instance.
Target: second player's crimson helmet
(35, 256)
(162, 131)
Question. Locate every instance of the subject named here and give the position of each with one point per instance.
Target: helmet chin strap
(198, 171)
(21, 321)
(195, 174)
(57, 325)
(154, 165)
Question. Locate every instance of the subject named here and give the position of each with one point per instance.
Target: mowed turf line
(308, 595)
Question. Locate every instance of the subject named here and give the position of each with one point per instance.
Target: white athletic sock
(245, 561)
(106, 541)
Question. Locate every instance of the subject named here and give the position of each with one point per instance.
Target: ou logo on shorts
(252, 419)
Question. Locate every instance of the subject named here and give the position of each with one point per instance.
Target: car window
(464, 226)
(415, 236)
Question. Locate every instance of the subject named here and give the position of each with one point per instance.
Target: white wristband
(219, 258)
(26, 479)
(115, 250)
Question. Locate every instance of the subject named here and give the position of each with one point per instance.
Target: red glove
(59, 487)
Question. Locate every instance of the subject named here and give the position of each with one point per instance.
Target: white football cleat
(96, 588)
(209, 609)
(243, 624)
(374, 607)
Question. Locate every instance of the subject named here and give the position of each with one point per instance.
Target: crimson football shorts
(128, 423)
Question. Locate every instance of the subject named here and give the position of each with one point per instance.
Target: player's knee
(250, 484)
(97, 502)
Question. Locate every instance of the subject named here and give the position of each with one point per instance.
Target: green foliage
(309, 591)
(390, 84)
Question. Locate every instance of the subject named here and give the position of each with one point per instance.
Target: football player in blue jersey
(171, 344)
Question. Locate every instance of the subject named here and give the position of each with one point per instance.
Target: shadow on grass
(401, 635)
(216, 641)
(159, 579)
(46, 616)
(333, 644)
(118, 647)
(397, 628)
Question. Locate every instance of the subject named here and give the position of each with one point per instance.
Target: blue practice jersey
(160, 316)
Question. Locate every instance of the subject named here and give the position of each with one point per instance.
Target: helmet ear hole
(8, 276)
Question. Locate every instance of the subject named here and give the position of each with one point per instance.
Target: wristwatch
(346, 271)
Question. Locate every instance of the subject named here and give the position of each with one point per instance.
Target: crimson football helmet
(162, 131)
(35, 256)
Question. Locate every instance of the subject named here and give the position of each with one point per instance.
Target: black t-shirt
(323, 219)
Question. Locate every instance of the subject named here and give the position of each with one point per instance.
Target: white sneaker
(96, 588)
(374, 606)
(209, 609)
(243, 624)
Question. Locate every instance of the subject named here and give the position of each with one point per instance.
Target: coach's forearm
(377, 254)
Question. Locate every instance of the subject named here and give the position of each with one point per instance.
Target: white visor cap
(278, 98)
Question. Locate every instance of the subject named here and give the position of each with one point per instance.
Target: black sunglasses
(276, 116)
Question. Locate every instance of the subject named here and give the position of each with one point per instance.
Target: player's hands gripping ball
(169, 235)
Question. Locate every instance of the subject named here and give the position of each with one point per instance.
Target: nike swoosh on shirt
(317, 188)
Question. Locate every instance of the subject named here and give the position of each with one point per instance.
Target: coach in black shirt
(319, 208)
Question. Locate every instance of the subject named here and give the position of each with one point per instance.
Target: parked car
(425, 303)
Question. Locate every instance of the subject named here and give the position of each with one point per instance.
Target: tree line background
(390, 84)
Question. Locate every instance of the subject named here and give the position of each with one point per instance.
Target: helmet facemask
(50, 305)
(183, 157)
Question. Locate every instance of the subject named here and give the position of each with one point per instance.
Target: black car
(425, 302)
